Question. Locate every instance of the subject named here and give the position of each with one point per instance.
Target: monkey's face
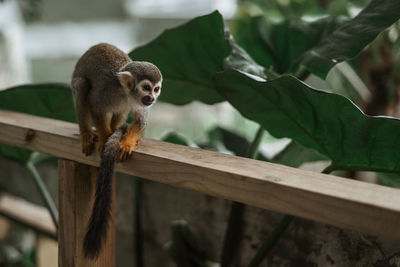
(147, 92)
(144, 92)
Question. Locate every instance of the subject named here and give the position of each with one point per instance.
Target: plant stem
(303, 74)
(328, 169)
(253, 149)
(232, 234)
(35, 158)
(234, 228)
(138, 222)
(271, 240)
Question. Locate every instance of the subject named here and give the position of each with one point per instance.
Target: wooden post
(77, 183)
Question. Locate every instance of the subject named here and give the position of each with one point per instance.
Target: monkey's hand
(88, 138)
(128, 143)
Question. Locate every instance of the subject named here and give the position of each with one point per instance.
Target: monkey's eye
(156, 89)
(146, 87)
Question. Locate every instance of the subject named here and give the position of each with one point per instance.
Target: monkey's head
(142, 80)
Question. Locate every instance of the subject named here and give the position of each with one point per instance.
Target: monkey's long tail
(96, 231)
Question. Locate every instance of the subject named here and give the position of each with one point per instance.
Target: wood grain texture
(77, 183)
(345, 203)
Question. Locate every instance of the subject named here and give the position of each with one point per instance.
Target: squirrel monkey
(107, 85)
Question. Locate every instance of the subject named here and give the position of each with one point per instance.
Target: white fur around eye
(159, 87)
(144, 83)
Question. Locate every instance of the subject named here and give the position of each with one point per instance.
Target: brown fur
(99, 95)
(107, 85)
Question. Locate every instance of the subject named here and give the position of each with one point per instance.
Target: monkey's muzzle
(147, 100)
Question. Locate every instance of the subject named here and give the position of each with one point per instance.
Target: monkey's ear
(126, 79)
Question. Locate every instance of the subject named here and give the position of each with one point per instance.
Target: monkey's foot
(126, 148)
(88, 139)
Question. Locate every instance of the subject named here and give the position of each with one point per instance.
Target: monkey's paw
(126, 149)
(88, 139)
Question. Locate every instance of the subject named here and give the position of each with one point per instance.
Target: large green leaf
(282, 46)
(188, 57)
(328, 123)
(51, 100)
(47, 100)
(351, 37)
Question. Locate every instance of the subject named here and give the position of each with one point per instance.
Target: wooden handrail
(341, 202)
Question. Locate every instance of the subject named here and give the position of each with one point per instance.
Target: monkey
(106, 86)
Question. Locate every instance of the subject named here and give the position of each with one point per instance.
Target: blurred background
(41, 40)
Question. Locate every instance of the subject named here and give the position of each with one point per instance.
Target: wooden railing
(341, 202)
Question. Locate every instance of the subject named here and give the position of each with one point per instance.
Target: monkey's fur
(98, 223)
(107, 85)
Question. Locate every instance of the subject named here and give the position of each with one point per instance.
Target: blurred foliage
(14, 252)
(282, 46)
(318, 44)
(389, 179)
(178, 139)
(46, 100)
(279, 10)
(31, 9)
(185, 248)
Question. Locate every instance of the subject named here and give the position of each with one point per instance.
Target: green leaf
(188, 57)
(389, 179)
(178, 139)
(345, 81)
(294, 155)
(350, 38)
(240, 60)
(326, 122)
(232, 141)
(53, 100)
(318, 45)
(282, 45)
(247, 34)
